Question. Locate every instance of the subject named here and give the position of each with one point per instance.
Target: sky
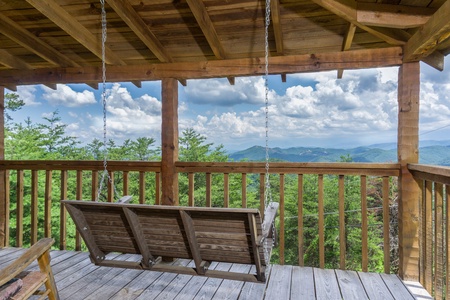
(308, 110)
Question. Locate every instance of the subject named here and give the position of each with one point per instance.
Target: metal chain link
(267, 191)
(104, 96)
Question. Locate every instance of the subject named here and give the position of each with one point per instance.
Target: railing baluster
(438, 241)
(141, 187)
(94, 187)
(157, 188)
(19, 209)
(125, 183)
(342, 242)
(191, 189)
(364, 224)
(34, 206)
(226, 190)
(428, 255)
(208, 189)
(321, 224)
(79, 196)
(386, 233)
(63, 212)
(48, 204)
(244, 190)
(7, 206)
(282, 219)
(447, 246)
(301, 261)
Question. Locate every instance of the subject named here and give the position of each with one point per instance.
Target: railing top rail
(376, 169)
(439, 174)
(88, 165)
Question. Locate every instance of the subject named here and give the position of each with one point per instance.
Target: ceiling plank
(430, 36)
(54, 12)
(346, 9)
(32, 43)
(352, 59)
(276, 23)
(12, 62)
(392, 16)
(204, 21)
(127, 13)
(347, 43)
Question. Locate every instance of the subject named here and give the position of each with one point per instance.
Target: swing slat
(201, 234)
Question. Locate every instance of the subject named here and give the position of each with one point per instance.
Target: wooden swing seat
(203, 235)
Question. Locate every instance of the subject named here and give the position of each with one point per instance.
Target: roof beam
(346, 9)
(200, 13)
(54, 12)
(127, 13)
(204, 21)
(430, 36)
(276, 23)
(11, 61)
(347, 43)
(392, 16)
(29, 41)
(352, 59)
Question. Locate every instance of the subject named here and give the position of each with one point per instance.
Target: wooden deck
(77, 278)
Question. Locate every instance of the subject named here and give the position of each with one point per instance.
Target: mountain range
(430, 152)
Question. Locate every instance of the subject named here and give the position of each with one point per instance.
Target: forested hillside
(47, 139)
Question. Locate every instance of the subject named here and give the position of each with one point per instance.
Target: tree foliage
(49, 140)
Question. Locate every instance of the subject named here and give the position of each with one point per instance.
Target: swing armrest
(269, 218)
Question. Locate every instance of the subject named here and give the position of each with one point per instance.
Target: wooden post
(3, 202)
(169, 141)
(408, 152)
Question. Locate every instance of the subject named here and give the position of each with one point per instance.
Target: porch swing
(203, 235)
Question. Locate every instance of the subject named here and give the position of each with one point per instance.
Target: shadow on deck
(77, 278)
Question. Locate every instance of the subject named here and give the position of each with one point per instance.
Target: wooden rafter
(393, 16)
(11, 61)
(276, 23)
(347, 10)
(426, 40)
(201, 15)
(29, 41)
(347, 43)
(75, 29)
(135, 22)
(353, 59)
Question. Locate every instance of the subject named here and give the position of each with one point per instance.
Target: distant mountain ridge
(433, 154)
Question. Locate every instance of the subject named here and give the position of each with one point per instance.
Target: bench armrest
(21, 263)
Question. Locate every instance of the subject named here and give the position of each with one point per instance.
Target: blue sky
(314, 109)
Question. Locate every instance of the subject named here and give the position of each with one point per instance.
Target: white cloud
(64, 95)
(28, 94)
(219, 92)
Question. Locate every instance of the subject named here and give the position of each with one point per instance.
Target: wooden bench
(201, 234)
(33, 280)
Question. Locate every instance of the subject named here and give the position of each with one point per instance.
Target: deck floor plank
(212, 284)
(350, 285)
(327, 286)
(279, 285)
(78, 278)
(396, 286)
(302, 284)
(230, 289)
(375, 287)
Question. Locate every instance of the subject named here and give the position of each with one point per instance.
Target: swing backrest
(221, 234)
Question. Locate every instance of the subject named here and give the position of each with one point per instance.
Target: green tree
(12, 103)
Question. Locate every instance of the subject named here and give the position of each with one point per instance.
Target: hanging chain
(267, 192)
(105, 149)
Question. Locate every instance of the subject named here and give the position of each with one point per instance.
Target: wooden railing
(295, 182)
(434, 183)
